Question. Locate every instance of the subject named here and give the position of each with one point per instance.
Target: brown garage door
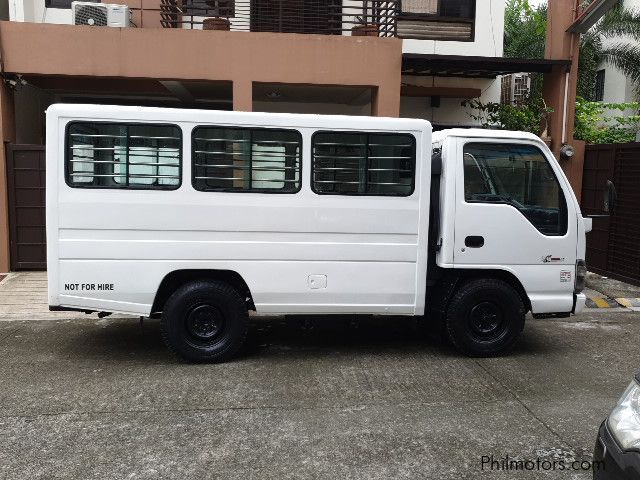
(26, 188)
(613, 247)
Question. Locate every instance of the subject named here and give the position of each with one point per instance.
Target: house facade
(612, 85)
(409, 58)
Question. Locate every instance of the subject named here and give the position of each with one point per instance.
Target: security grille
(245, 159)
(120, 155)
(363, 164)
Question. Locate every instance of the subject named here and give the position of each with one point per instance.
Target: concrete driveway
(84, 398)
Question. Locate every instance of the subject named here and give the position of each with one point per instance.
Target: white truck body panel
(372, 250)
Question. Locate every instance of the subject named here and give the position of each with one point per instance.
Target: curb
(629, 302)
(604, 302)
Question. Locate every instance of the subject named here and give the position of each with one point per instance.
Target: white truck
(197, 217)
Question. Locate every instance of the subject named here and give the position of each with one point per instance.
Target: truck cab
(508, 219)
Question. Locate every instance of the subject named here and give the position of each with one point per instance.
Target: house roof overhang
(473, 66)
(590, 16)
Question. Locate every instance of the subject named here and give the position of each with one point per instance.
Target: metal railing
(327, 17)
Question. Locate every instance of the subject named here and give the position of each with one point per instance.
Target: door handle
(474, 241)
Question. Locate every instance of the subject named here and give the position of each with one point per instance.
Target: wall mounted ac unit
(100, 14)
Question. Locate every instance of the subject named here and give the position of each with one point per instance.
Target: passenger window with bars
(246, 160)
(363, 164)
(120, 155)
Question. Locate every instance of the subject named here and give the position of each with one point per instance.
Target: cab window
(517, 175)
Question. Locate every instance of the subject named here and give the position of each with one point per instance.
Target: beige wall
(40, 49)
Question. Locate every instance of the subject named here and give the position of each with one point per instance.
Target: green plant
(529, 117)
(597, 122)
(524, 29)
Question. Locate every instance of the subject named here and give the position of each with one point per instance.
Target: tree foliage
(596, 122)
(524, 29)
(529, 117)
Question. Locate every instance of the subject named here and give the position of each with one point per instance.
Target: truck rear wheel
(485, 317)
(205, 321)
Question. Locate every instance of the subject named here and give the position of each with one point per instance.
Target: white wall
(617, 88)
(450, 112)
(34, 11)
(323, 108)
(489, 35)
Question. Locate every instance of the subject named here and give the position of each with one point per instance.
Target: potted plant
(217, 22)
(364, 29)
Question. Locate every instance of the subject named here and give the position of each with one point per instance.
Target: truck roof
(107, 112)
(482, 133)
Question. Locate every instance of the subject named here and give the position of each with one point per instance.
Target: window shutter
(427, 7)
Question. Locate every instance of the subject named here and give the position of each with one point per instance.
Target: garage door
(26, 192)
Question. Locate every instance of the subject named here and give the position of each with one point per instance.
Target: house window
(440, 8)
(121, 155)
(458, 9)
(452, 20)
(363, 164)
(295, 16)
(210, 8)
(246, 160)
(62, 3)
(425, 7)
(599, 93)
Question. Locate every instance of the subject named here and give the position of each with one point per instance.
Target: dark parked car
(618, 444)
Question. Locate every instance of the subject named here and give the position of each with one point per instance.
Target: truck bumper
(579, 300)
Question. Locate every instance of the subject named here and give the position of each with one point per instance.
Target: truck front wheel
(205, 321)
(485, 317)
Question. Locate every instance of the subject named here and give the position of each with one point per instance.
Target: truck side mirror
(610, 198)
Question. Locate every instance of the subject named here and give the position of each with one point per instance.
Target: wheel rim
(486, 321)
(205, 323)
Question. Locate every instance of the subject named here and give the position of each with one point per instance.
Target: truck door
(515, 212)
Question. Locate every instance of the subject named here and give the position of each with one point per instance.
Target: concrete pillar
(385, 101)
(7, 133)
(560, 85)
(243, 95)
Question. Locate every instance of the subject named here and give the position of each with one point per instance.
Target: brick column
(7, 133)
(385, 101)
(243, 95)
(560, 84)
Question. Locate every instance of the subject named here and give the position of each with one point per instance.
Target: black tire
(485, 318)
(205, 321)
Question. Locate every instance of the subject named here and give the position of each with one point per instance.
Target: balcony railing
(452, 20)
(370, 18)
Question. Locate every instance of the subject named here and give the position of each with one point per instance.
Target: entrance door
(515, 212)
(27, 222)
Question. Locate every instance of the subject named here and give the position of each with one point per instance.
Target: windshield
(518, 175)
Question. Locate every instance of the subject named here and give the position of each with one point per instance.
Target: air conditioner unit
(100, 14)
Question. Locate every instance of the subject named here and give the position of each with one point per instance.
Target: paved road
(89, 398)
